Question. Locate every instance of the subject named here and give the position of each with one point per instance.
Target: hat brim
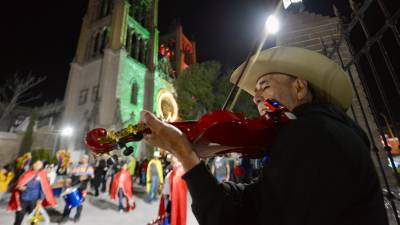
(327, 79)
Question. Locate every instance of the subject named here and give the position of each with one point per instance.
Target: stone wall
(9, 144)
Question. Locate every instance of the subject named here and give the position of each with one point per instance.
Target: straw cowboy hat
(327, 79)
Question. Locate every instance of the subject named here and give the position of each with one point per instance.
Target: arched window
(105, 8)
(136, 48)
(143, 51)
(134, 93)
(96, 44)
(104, 40)
(133, 45)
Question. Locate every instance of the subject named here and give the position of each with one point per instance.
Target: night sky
(42, 36)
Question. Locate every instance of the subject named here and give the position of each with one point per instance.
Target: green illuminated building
(116, 70)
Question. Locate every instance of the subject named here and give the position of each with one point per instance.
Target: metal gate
(373, 38)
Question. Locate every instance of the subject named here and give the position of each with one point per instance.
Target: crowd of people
(42, 183)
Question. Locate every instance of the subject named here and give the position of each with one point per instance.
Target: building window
(104, 40)
(105, 8)
(95, 93)
(96, 45)
(134, 93)
(83, 96)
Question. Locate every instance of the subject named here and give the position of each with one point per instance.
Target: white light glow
(67, 131)
(272, 25)
(286, 3)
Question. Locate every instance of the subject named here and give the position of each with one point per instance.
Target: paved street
(103, 211)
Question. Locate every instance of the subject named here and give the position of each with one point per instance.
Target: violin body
(215, 133)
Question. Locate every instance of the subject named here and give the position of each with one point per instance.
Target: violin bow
(248, 64)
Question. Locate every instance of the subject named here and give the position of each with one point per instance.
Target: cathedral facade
(118, 69)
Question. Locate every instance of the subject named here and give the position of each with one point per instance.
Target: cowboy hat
(327, 79)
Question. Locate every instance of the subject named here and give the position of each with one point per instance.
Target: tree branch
(17, 91)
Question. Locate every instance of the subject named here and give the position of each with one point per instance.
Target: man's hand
(170, 138)
(21, 188)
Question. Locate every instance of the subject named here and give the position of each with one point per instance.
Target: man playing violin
(320, 170)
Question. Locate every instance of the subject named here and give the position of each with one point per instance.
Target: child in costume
(81, 176)
(122, 189)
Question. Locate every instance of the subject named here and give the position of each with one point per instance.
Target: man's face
(280, 87)
(37, 165)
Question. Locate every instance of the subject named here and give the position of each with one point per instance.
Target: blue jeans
(121, 197)
(143, 178)
(155, 181)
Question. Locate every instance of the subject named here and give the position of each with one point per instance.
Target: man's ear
(301, 88)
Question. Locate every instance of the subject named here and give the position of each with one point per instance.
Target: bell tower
(113, 75)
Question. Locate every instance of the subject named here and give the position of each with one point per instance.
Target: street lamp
(67, 131)
(271, 25)
(287, 3)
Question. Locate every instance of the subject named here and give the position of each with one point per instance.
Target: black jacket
(320, 172)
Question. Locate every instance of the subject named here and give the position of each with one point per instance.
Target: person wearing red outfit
(122, 189)
(32, 189)
(176, 190)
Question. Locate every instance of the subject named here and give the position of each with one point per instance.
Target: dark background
(41, 36)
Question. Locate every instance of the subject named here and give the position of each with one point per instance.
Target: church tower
(114, 74)
(178, 49)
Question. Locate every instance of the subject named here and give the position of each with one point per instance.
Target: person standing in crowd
(31, 191)
(154, 177)
(248, 170)
(100, 177)
(166, 163)
(231, 163)
(81, 176)
(122, 189)
(6, 176)
(113, 168)
(239, 172)
(51, 173)
(220, 169)
(143, 171)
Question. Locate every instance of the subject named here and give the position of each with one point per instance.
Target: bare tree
(16, 91)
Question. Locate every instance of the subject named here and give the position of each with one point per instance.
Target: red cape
(126, 184)
(178, 197)
(15, 204)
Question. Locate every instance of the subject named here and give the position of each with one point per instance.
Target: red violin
(215, 133)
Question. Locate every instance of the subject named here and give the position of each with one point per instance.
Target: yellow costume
(158, 165)
(5, 179)
(132, 166)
